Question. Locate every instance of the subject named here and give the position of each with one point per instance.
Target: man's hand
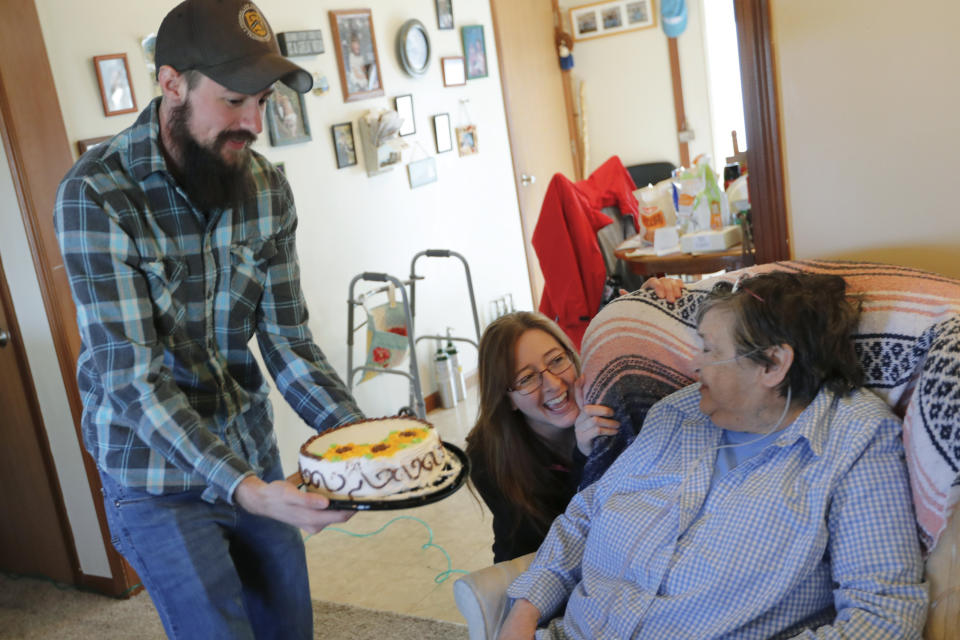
(593, 420)
(282, 501)
(667, 288)
(521, 623)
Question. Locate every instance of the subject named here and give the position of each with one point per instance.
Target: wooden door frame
(33, 132)
(762, 121)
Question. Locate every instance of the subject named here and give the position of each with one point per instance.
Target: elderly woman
(770, 500)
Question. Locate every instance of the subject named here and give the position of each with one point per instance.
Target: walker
(416, 404)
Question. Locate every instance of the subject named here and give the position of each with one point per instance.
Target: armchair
(638, 349)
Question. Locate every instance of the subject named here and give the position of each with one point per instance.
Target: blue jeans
(212, 570)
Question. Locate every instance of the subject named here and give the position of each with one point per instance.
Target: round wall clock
(413, 48)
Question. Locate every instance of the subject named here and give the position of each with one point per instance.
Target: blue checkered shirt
(168, 298)
(813, 537)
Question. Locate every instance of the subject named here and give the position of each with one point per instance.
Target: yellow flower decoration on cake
(345, 451)
(406, 436)
(386, 447)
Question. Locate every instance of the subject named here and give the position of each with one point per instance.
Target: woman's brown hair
(502, 442)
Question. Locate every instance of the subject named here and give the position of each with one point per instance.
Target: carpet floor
(38, 609)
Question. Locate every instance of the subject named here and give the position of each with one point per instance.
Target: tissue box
(713, 240)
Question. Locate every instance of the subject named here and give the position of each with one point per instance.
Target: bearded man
(179, 244)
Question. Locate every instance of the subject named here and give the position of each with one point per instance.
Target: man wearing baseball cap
(179, 244)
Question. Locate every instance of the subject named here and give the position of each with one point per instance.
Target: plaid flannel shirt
(813, 537)
(168, 298)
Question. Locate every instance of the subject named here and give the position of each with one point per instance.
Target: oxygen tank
(444, 376)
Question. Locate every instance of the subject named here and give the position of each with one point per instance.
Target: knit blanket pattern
(638, 349)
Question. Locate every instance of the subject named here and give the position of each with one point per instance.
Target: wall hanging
(609, 18)
(343, 144)
(413, 48)
(116, 91)
(467, 140)
(89, 143)
(421, 172)
(454, 73)
(404, 107)
(444, 14)
(475, 51)
(466, 132)
(378, 137)
(357, 56)
(286, 116)
(300, 43)
(441, 132)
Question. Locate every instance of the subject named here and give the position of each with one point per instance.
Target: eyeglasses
(531, 381)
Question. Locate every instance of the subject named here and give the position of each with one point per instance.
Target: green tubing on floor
(441, 577)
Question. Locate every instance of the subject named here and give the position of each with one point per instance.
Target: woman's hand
(521, 622)
(667, 288)
(593, 420)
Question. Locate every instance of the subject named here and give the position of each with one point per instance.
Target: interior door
(35, 538)
(535, 106)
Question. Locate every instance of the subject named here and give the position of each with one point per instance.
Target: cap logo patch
(253, 23)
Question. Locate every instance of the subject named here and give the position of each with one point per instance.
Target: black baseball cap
(229, 41)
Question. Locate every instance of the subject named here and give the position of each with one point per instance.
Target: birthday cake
(384, 458)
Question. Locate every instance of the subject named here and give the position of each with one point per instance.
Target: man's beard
(208, 179)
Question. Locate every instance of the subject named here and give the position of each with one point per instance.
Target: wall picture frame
(421, 172)
(357, 57)
(474, 51)
(611, 17)
(403, 105)
(441, 132)
(454, 71)
(287, 116)
(344, 144)
(89, 143)
(444, 14)
(467, 140)
(116, 89)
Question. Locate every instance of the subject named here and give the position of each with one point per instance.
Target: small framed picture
(85, 145)
(357, 56)
(441, 131)
(454, 73)
(343, 144)
(467, 140)
(116, 91)
(611, 17)
(404, 108)
(421, 172)
(286, 116)
(475, 51)
(444, 14)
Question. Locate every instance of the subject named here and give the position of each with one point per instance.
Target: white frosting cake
(385, 457)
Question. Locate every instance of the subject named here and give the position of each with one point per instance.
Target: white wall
(349, 223)
(868, 104)
(629, 92)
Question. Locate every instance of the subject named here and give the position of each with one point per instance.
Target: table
(685, 263)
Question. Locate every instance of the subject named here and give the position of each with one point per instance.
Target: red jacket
(565, 240)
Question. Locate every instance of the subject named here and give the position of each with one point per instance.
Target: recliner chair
(909, 343)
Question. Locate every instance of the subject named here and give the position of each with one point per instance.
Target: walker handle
(374, 277)
(438, 253)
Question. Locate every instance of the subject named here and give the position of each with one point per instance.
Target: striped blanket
(638, 350)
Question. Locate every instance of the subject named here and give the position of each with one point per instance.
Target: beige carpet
(40, 609)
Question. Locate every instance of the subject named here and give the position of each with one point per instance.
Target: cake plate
(447, 486)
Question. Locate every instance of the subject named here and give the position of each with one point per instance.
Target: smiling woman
(532, 435)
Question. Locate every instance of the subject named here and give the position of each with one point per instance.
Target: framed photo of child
(357, 57)
(287, 116)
